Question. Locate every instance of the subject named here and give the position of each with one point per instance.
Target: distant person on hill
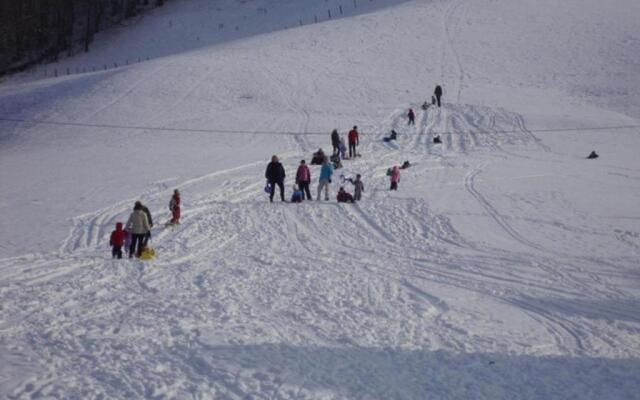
(275, 176)
(354, 140)
(174, 206)
(593, 155)
(117, 241)
(335, 141)
(344, 197)
(325, 179)
(303, 179)
(412, 117)
(342, 149)
(138, 225)
(395, 177)
(438, 93)
(358, 187)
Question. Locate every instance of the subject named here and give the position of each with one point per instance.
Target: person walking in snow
(412, 117)
(303, 179)
(138, 225)
(117, 241)
(354, 141)
(438, 93)
(395, 177)
(275, 176)
(325, 179)
(146, 211)
(335, 141)
(174, 206)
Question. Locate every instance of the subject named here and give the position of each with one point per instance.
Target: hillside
(504, 267)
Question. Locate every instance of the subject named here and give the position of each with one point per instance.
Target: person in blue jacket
(325, 179)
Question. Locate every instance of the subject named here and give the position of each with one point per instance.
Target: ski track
(320, 267)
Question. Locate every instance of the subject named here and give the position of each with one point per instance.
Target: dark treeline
(33, 31)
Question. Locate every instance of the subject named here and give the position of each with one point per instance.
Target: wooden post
(329, 13)
(340, 9)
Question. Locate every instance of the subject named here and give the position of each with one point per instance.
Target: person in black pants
(275, 176)
(335, 140)
(438, 94)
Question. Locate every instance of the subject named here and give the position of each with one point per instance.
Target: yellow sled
(148, 254)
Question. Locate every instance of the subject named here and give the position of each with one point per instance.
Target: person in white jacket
(138, 225)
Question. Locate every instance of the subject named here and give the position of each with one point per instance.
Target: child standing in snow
(395, 177)
(117, 241)
(358, 187)
(174, 206)
(412, 117)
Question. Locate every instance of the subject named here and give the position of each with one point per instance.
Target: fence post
(315, 18)
(68, 71)
(329, 13)
(115, 65)
(340, 9)
(300, 21)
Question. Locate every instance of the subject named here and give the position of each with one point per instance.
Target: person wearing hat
(303, 179)
(174, 206)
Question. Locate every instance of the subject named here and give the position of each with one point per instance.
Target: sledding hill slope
(505, 267)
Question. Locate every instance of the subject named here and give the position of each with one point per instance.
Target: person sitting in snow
(593, 155)
(344, 197)
(117, 241)
(298, 195)
(318, 157)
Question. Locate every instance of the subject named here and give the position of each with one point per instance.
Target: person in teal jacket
(325, 179)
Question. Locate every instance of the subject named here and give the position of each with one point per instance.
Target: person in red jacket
(117, 241)
(303, 179)
(353, 141)
(174, 206)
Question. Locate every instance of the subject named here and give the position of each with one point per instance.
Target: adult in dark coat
(335, 141)
(275, 176)
(438, 94)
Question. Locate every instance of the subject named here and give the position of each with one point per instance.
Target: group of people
(134, 236)
(275, 173)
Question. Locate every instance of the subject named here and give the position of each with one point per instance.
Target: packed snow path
(505, 267)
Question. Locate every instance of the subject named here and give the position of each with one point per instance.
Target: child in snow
(342, 149)
(318, 157)
(117, 241)
(298, 195)
(395, 177)
(358, 187)
(344, 197)
(412, 117)
(174, 206)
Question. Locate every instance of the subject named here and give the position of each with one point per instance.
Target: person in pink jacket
(303, 179)
(395, 177)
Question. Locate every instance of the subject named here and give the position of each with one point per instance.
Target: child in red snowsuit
(117, 241)
(174, 206)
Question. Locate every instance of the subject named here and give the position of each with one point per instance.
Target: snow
(505, 267)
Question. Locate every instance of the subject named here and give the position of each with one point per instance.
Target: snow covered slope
(505, 267)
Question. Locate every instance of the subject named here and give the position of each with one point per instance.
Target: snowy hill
(506, 266)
